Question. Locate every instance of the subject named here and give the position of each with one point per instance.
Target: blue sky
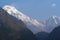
(37, 9)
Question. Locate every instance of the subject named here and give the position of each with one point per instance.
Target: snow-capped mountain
(52, 22)
(32, 24)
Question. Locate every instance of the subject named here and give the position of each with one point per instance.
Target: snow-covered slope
(32, 24)
(52, 22)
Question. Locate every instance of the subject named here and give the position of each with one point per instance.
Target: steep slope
(55, 34)
(42, 35)
(32, 24)
(12, 28)
(52, 22)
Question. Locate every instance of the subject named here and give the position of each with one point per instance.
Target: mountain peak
(10, 9)
(32, 24)
(6, 6)
(14, 12)
(55, 18)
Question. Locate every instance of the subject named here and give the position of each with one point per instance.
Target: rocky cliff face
(12, 28)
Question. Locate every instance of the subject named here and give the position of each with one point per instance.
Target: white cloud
(53, 4)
